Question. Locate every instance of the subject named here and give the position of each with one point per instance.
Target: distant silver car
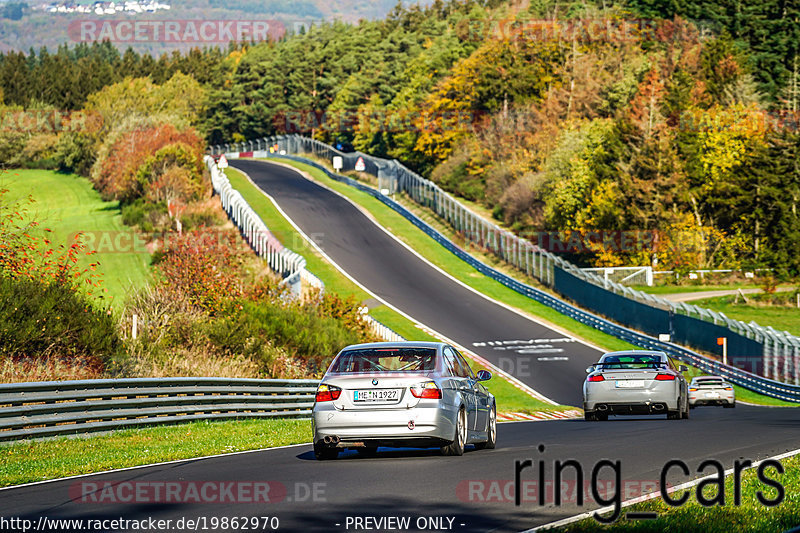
(711, 390)
(417, 394)
(635, 382)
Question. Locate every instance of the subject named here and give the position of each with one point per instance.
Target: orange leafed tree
(116, 177)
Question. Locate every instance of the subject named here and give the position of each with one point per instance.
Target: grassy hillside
(67, 204)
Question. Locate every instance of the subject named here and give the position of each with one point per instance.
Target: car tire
(730, 405)
(323, 453)
(589, 416)
(460, 438)
(685, 413)
(491, 432)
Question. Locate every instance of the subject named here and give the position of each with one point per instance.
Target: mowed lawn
(779, 317)
(67, 204)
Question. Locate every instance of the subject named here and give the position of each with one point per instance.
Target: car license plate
(376, 395)
(630, 384)
(712, 395)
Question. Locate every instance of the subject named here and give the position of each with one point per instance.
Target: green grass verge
(678, 289)
(780, 318)
(509, 398)
(28, 461)
(751, 515)
(67, 204)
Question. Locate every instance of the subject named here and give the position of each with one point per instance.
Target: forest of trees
(551, 116)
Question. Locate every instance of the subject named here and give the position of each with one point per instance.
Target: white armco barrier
(280, 259)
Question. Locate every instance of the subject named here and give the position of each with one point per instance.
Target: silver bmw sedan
(402, 394)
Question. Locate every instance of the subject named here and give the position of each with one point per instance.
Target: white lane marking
(652, 495)
(514, 381)
(552, 358)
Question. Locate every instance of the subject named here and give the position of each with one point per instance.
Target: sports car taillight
(665, 377)
(328, 393)
(596, 377)
(427, 390)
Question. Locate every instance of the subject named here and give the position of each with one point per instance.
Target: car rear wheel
(323, 453)
(460, 438)
(730, 405)
(491, 431)
(685, 413)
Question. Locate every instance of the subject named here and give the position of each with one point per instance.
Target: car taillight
(728, 388)
(328, 393)
(692, 389)
(596, 377)
(427, 390)
(665, 377)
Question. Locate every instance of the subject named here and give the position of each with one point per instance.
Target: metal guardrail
(282, 260)
(740, 377)
(51, 408)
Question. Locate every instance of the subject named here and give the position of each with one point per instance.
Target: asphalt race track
(546, 360)
(310, 495)
(475, 492)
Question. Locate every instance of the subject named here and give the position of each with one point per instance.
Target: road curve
(435, 493)
(542, 358)
(475, 491)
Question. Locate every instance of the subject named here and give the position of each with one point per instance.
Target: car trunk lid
(377, 391)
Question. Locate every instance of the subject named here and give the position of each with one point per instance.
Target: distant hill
(36, 28)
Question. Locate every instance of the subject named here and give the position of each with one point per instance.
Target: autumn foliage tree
(203, 268)
(45, 312)
(142, 156)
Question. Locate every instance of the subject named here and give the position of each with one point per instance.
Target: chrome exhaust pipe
(658, 407)
(602, 407)
(331, 440)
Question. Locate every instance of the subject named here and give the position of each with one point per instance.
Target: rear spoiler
(653, 364)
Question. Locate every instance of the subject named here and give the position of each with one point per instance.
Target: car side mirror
(683, 368)
(484, 375)
(589, 369)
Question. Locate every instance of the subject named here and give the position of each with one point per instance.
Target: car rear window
(709, 382)
(632, 361)
(386, 360)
